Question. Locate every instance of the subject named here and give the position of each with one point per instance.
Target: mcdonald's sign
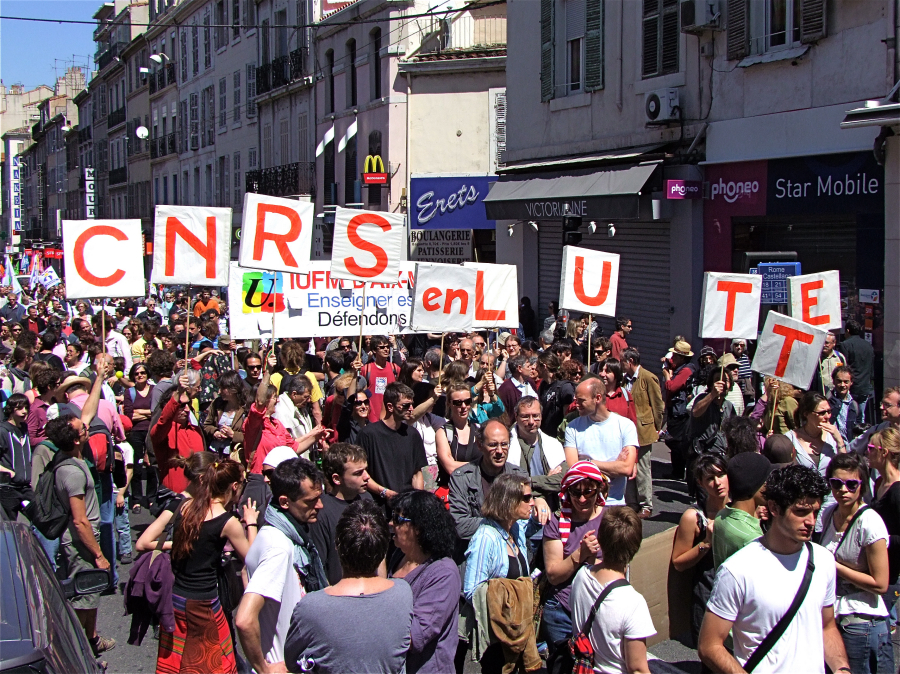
(373, 171)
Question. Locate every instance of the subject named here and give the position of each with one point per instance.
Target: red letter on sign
(208, 251)
(381, 259)
(600, 297)
(732, 288)
(790, 335)
(807, 303)
(429, 297)
(280, 240)
(81, 242)
(463, 298)
(482, 314)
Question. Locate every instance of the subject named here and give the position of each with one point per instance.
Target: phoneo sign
(684, 189)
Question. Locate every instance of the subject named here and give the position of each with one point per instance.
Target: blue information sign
(775, 276)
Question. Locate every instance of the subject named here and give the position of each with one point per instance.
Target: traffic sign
(775, 276)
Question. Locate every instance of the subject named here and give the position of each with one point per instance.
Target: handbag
(772, 637)
(577, 654)
(230, 587)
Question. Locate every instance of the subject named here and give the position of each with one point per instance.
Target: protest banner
(816, 299)
(729, 308)
(103, 258)
(191, 245)
(788, 349)
(315, 304)
(276, 234)
(589, 281)
(496, 295)
(444, 298)
(368, 245)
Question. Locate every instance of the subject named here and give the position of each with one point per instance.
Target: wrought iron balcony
(264, 78)
(84, 134)
(107, 57)
(118, 176)
(281, 71)
(116, 117)
(283, 181)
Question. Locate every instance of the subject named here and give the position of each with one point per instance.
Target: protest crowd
(405, 502)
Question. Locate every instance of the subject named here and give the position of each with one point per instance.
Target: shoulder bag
(763, 649)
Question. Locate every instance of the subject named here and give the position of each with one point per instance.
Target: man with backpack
(72, 492)
(678, 373)
(17, 379)
(776, 595)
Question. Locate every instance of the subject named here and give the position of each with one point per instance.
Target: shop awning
(612, 194)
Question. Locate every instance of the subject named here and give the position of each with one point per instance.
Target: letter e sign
(730, 306)
(368, 245)
(816, 299)
(276, 234)
(103, 258)
(192, 245)
(589, 281)
(788, 350)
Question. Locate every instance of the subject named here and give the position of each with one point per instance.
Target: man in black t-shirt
(395, 450)
(346, 481)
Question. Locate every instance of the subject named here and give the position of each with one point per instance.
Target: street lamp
(159, 58)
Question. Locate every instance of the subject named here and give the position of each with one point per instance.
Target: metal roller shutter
(644, 294)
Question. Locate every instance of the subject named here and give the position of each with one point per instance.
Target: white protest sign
(816, 299)
(730, 305)
(276, 234)
(315, 304)
(191, 244)
(368, 245)
(496, 295)
(788, 350)
(589, 281)
(103, 258)
(444, 298)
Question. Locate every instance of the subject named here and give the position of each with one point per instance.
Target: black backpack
(48, 513)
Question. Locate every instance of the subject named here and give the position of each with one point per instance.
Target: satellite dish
(142, 132)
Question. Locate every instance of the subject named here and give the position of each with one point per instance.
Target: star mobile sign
(788, 349)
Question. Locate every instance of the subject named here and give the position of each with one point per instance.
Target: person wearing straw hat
(677, 373)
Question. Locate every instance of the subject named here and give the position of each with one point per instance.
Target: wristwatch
(383, 493)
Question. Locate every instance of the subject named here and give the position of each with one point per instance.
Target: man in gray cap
(738, 523)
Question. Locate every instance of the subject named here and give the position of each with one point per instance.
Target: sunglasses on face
(836, 484)
(527, 498)
(461, 402)
(254, 367)
(383, 346)
(141, 372)
(404, 406)
(360, 403)
(583, 493)
(822, 413)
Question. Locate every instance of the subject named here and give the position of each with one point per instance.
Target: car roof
(16, 636)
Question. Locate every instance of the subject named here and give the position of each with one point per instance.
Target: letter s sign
(355, 253)
(103, 258)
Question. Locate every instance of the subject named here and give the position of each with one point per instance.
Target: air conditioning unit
(699, 15)
(660, 106)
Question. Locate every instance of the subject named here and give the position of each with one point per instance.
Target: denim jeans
(123, 528)
(556, 622)
(48, 546)
(869, 648)
(107, 522)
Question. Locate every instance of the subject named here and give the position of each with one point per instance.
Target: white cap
(278, 455)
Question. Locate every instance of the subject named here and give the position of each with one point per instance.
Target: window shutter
(593, 46)
(650, 54)
(547, 49)
(812, 20)
(738, 40)
(670, 37)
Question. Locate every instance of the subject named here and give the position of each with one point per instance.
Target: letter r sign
(276, 234)
(788, 349)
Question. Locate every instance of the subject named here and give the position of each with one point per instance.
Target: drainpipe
(619, 92)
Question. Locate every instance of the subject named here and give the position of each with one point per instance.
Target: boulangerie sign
(816, 299)
(192, 245)
(444, 300)
(730, 306)
(496, 295)
(368, 245)
(788, 349)
(103, 258)
(276, 234)
(590, 281)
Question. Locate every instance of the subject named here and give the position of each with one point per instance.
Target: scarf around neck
(306, 558)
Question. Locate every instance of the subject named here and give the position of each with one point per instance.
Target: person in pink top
(617, 340)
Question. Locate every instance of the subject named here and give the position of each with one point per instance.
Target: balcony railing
(118, 176)
(281, 71)
(162, 78)
(466, 31)
(264, 78)
(283, 181)
(84, 134)
(112, 51)
(116, 117)
(162, 146)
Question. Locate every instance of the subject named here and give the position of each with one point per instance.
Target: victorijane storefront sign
(449, 202)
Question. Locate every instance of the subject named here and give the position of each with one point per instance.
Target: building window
(575, 18)
(351, 173)
(375, 36)
(303, 137)
(236, 96)
(221, 24)
(211, 114)
(285, 138)
(223, 102)
(282, 32)
(197, 198)
(329, 80)
(165, 189)
(175, 188)
(267, 146)
(185, 182)
(251, 90)
(195, 122)
(156, 191)
(330, 197)
(184, 56)
(195, 48)
(252, 158)
(209, 184)
(249, 15)
(264, 42)
(351, 65)
(207, 42)
(236, 166)
(235, 19)
(661, 36)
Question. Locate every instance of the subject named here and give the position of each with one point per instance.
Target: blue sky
(28, 49)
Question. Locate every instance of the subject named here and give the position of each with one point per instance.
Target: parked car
(39, 631)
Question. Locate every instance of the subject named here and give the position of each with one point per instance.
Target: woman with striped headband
(570, 542)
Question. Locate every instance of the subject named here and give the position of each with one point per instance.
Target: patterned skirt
(201, 642)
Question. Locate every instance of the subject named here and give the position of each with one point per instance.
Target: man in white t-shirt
(282, 563)
(755, 587)
(609, 440)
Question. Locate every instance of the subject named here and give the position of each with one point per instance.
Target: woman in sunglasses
(570, 541)
(816, 439)
(857, 537)
(139, 408)
(884, 456)
(455, 442)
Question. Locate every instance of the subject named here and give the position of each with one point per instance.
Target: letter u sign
(103, 258)
(589, 281)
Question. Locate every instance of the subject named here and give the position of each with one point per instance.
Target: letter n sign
(192, 245)
(589, 281)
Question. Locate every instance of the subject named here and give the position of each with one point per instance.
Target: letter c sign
(103, 258)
